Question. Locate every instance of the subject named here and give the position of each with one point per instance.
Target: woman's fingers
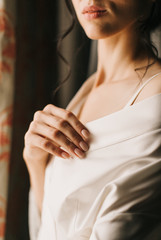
(64, 126)
(35, 140)
(54, 135)
(70, 118)
(58, 129)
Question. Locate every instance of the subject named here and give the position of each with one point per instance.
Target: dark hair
(145, 28)
(63, 35)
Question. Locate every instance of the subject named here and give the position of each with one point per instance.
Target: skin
(118, 48)
(126, 11)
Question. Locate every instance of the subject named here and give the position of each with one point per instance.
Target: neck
(118, 56)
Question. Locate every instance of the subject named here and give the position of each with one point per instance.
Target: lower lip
(94, 15)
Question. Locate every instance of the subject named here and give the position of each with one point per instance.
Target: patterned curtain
(7, 60)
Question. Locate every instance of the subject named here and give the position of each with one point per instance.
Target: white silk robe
(114, 193)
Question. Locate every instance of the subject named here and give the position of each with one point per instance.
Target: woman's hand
(57, 132)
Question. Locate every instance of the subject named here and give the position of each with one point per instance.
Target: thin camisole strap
(133, 98)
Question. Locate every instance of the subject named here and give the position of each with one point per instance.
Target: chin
(94, 36)
(95, 33)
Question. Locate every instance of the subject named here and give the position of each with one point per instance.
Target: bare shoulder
(153, 87)
(90, 80)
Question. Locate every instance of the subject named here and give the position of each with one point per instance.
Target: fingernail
(84, 146)
(85, 133)
(65, 155)
(79, 153)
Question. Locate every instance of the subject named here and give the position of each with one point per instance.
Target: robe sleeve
(34, 217)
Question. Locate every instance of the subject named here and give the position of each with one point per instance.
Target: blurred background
(30, 70)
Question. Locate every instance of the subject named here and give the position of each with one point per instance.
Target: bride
(95, 167)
